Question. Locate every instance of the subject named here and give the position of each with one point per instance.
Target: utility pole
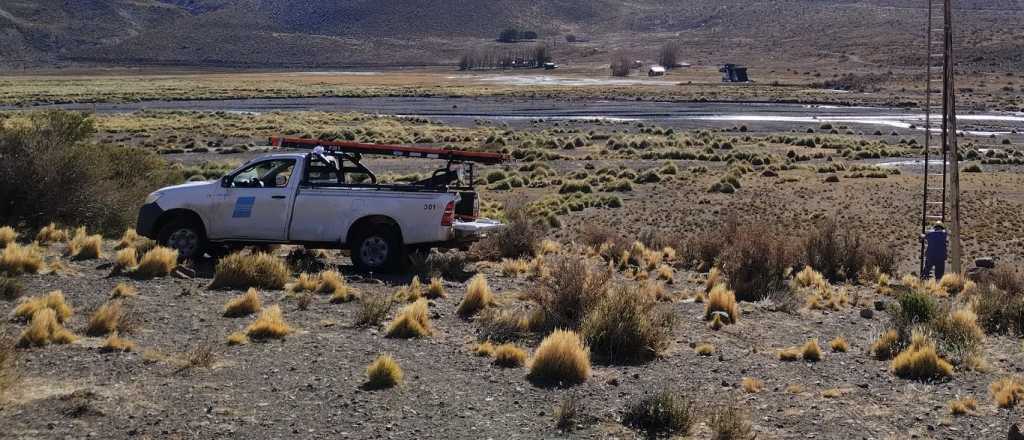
(949, 140)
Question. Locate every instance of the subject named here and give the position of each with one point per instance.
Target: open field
(598, 186)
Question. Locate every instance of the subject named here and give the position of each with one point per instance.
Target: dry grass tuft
(561, 358)
(116, 343)
(886, 346)
(549, 247)
(8, 362)
(436, 289)
(304, 283)
(921, 361)
(704, 349)
(372, 310)
(954, 284)
(663, 414)
(411, 322)
(242, 271)
(334, 284)
(412, 292)
(790, 354)
(809, 277)
(244, 304)
(27, 309)
(7, 236)
(509, 356)
(794, 388)
(514, 267)
(963, 406)
(84, 247)
(714, 279)
(123, 290)
(721, 299)
(730, 423)
(832, 393)
(484, 349)
(478, 296)
(51, 234)
(106, 319)
(16, 259)
(125, 260)
(1008, 391)
(269, 325)
(45, 329)
(752, 385)
(811, 351)
(238, 338)
(383, 373)
(503, 324)
(625, 326)
(156, 262)
(839, 345)
(666, 273)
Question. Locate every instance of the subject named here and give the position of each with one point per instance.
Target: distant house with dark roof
(734, 73)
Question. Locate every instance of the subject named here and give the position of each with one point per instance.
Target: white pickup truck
(324, 198)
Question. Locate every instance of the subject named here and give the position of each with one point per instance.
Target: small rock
(880, 305)
(985, 262)
(613, 382)
(867, 313)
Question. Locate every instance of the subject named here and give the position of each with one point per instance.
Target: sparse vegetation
(625, 327)
(663, 414)
(478, 296)
(752, 385)
(509, 355)
(245, 304)
(412, 321)
(1008, 391)
(730, 423)
(156, 262)
(105, 320)
(722, 303)
(372, 310)
(44, 329)
(241, 271)
(383, 372)
(963, 406)
(561, 358)
(27, 308)
(921, 361)
(16, 259)
(269, 325)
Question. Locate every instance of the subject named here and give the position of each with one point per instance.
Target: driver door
(255, 203)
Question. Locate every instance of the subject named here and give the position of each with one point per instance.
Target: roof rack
(390, 150)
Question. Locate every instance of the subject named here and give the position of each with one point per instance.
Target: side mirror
(225, 181)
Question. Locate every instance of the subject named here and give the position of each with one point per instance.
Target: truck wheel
(377, 249)
(184, 236)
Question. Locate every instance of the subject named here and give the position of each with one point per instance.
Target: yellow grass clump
(412, 292)
(714, 279)
(716, 322)
(123, 290)
(509, 356)
(244, 304)
(411, 322)
(963, 406)
(7, 236)
(484, 349)
(478, 296)
(84, 246)
(752, 385)
(334, 284)
(514, 267)
(794, 388)
(125, 260)
(809, 277)
(242, 271)
(549, 247)
(665, 273)
(157, 262)
(16, 259)
(811, 351)
(561, 358)
(238, 338)
(51, 234)
(704, 349)
(886, 346)
(668, 253)
(954, 283)
(105, 320)
(721, 299)
(45, 329)
(1008, 391)
(384, 372)
(921, 361)
(832, 393)
(839, 345)
(790, 354)
(436, 289)
(269, 325)
(116, 343)
(54, 300)
(304, 283)
(131, 239)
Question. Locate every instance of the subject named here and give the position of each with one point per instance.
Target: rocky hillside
(323, 33)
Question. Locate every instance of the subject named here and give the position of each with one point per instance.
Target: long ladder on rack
(941, 195)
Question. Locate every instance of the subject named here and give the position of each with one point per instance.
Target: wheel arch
(173, 214)
(371, 221)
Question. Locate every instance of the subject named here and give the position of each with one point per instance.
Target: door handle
(278, 197)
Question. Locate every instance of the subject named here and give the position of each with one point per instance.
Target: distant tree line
(498, 58)
(512, 35)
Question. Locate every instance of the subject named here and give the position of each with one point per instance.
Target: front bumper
(146, 224)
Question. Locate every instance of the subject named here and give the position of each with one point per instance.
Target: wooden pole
(952, 153)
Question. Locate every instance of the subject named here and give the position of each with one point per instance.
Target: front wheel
(184, 236)
(378, 249)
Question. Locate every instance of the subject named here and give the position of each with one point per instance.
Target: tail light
(476, 208)
(449, 214)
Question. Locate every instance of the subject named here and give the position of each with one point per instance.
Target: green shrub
(664, 414)
(624, 326)
(574, 186)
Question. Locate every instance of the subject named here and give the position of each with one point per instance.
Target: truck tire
(377, 249)
(185, 236)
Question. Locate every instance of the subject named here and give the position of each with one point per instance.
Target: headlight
(153, 197)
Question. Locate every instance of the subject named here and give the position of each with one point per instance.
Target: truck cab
(323, 198)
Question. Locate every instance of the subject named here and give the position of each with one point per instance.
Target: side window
(266, 174)
(322, 173)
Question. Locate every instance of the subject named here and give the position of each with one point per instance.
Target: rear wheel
(184, 236)
(377, 249)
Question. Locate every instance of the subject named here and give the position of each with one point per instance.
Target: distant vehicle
(638, 64)
(734, 73)
(550, 66)
(681, 65)
(324, 198)
(656, 71)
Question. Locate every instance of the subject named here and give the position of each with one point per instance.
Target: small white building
(656, 71)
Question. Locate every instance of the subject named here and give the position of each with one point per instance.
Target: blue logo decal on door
(243, 207)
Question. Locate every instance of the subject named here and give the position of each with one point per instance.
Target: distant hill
(332, 33)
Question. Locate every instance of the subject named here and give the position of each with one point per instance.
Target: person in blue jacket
(935, 251)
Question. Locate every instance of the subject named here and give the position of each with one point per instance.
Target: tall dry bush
(756, 261)
(842, 254)
(518, 239)
(51, 171)
(570, 290)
